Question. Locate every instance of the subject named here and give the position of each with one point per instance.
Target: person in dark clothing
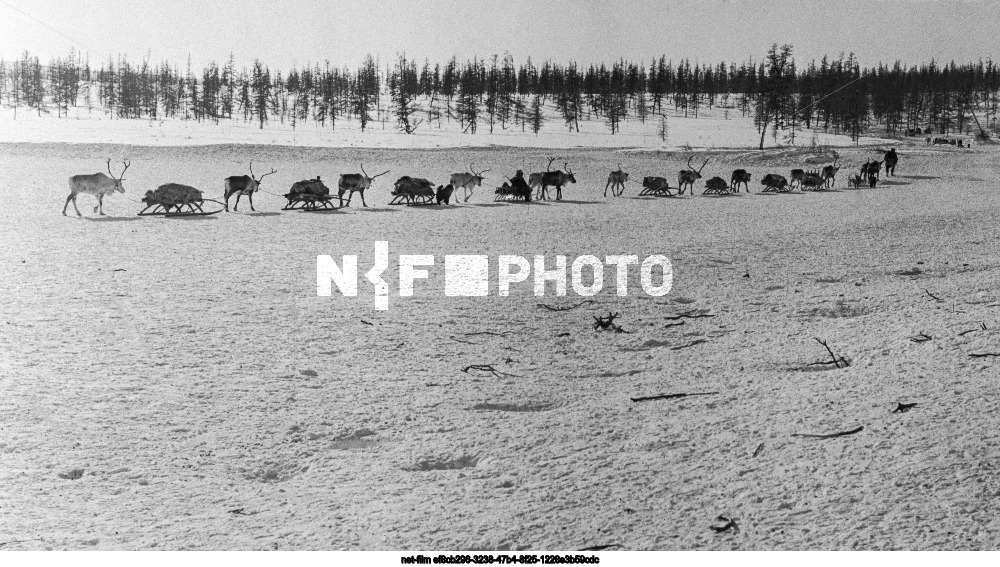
(520, 186)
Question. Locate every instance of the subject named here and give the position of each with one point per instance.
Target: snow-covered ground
(177, 384)
(714, 129)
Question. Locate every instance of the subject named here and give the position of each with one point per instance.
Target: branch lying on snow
(601, 547)
(694, 314)
(837, 361)
(672, 396)
(551, 308)
(903, 408)
(489, 368)
(982, 327)
(690, 344)
(366, 322)
(829, 435)
(934, 297)
(984, 354)
(760, 449)
(458, 340)
(491, 333)
(674, 324)
(730, 525)
(921, 338)
(605, 323)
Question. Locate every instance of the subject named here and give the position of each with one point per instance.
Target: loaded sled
(176, 200)
(311, 195)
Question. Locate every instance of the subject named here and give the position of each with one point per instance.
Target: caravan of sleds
(312, 195)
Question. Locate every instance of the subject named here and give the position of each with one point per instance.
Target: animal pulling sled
(176, 200)
(311, 195)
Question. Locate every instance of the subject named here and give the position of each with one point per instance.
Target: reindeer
(243, 185)
(796, 177)
(739, 176)
(97, 185)
(854, 181)
(871, 168)
(890, 160)
(554, 178)
(689, 176)
(616, 179)
(467, 181)
(351, 182)
(830, 172)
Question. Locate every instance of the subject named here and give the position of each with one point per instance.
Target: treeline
(836, 95)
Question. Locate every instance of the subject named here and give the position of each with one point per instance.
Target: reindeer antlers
(692, 167)
(126, 163)
(549, 166)
(480, 174)
(262, 176)
(366, 173)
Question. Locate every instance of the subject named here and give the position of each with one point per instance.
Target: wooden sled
(717, 191)
(173, 210)
(509, 194)
(662, 190)
(412, 200)
(309, 203)
(771, 189)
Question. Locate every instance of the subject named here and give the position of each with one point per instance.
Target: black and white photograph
(533, 281)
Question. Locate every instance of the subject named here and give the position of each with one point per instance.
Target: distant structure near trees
(837, 96)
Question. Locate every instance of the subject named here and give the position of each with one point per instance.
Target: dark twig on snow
(921, 338)
(903, 408)
(458, 340)
(690, 344)
(760, 449)
(551, 308)
(672, 396)
(491, 333)
(605, 323)
(982, 327)
(366, 322)
(489, 368)
(674, 324)
(241, 512)
(12, 542)
(693, 314)
(934, 297)
(829, 435)
(563, 335)
(601, 547)
(834, 359)
(730, 525)
(984, 354)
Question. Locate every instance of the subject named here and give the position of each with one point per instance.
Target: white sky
(288, 32)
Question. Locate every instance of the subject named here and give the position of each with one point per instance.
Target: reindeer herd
(314, 195)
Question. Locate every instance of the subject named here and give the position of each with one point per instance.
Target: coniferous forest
(834, 95)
